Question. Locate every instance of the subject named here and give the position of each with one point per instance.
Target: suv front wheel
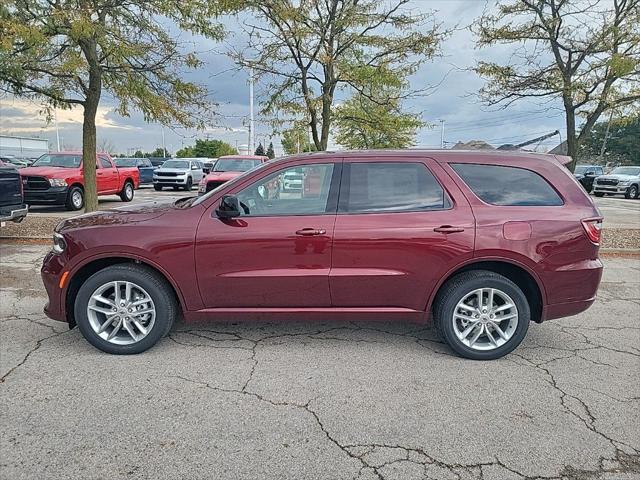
(482, 315)
(125, 309)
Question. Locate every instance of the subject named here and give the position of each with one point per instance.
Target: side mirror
(229, 207)
(590, 174)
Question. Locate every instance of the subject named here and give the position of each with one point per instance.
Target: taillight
(593, 229)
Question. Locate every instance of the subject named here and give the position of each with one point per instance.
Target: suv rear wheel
(125, 309)
(126, 195)
(482, 315)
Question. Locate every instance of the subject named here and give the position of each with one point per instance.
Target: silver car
(621, 180)
(178, 173)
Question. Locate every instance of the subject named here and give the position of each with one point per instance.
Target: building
(23, 147)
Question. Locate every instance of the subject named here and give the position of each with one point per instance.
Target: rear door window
(507, 186)
(378, 187)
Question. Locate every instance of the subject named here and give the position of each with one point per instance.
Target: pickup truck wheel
(481, 315)
(157, 188)
(126, 195)
(189, 184)
(125, 309)
(632, 192)
(75, 199)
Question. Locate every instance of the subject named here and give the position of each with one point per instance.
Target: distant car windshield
(126, 162)
(65, 161)
(180, 164)
(235, 164)
(626, 171)
(580, 169)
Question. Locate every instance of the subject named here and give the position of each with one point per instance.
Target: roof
(245, 157)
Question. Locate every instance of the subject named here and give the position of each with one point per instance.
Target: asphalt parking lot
(319, 400)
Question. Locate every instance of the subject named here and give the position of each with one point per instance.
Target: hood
(172, 170)
(222, 176)
(49, 172)
(619, 177)
(120, 215)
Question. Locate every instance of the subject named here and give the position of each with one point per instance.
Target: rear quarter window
(507, 186)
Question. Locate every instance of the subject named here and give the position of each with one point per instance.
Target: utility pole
(55, 116)
(252, 138)
(163, 147)
(441, 133)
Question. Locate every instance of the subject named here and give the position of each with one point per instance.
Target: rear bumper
(51, 196)
(13, 213)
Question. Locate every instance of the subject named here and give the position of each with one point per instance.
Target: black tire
(599, 194)
(175, 188)
(460, 286)
(189, 184)
(632, 192)
(75, 199)
(154, 284)
(126, 194)
(157, 188)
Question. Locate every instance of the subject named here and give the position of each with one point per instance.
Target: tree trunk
(92, 100)
(572, 141)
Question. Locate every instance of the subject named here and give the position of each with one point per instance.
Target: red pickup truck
(57, 179)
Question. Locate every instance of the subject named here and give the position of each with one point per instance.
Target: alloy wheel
(485, 319)
(121, 312)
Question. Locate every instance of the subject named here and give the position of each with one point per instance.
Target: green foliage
(270, 152)
(587, 55)
(622, 145)
(157, 153)
(207, 149)
(260, 150)
(304, 52)
(296, 139)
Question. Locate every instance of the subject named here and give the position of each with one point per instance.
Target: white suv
(178, 173)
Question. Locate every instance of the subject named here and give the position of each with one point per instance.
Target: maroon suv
(480, 242)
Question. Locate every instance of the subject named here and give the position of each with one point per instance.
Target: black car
(585, 174)
(12, 207)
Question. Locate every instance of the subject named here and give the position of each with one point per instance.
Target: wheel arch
(518, 273)
(93, 265)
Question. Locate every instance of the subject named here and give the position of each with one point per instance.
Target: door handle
(448, 229)
(309, 232)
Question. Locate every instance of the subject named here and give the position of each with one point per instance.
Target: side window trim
(343, 199)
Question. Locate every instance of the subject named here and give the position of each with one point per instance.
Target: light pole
(252, 133)
(163, 147)
(55, 116)
(441, 133)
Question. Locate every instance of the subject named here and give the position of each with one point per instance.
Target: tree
(207, 149)
(66, 53)
(584, 53)
(305, 51)
(374, 118)
(295, 139)
(259, 150)
(270, 151)
(621, 141)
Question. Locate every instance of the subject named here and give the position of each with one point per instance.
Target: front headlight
(59, 243)
(624, 183)
(57, 182)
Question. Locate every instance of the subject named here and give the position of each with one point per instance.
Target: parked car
(12, 206)
(16, 162)
(157, 161)
(178, 173)
(620, 181)
(480, 242)
(57, 179)
(144, 166)
(208, 164)
(585, 174)
(227, 168)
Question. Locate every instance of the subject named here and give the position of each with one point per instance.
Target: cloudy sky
(453, 101)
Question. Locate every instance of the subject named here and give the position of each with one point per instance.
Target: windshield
(199, 200)
(626, 171)
(180, 164)
(125, 162)
(65, 161)
(580, 170)
(235, 164)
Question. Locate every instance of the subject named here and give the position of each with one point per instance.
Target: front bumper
(51, 196)
(614, 189)
(170, 180)
(51, 272)
(13, 213)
